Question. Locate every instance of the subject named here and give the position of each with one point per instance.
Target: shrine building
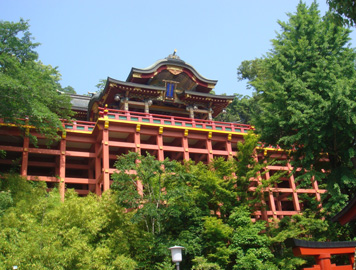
(166, 110)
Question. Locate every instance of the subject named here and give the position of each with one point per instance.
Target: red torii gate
(322, 252)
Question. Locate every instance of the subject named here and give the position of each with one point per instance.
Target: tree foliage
(239, 110)
(304, 89)
(28, 88)
(344, 11)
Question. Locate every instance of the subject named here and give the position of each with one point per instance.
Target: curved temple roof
(191, 88)
(176, 66)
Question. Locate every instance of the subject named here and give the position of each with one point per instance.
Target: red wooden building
(166, 110)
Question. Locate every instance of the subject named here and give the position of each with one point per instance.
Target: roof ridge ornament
(173, 55)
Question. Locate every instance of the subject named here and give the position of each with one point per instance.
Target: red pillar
(352, 259)
(106, 164)
(229, 147)
(264, 215)
(292, 185)
(185, 145)
(209, 146)
(137, 139)
(91, 166)
(24, 165)
(316, 188)
(98, 170)
(62, 168)
(323, 260)
(160, 144)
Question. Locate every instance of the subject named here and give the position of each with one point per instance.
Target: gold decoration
(106, 126)
(136, 75)
(137, 145)
(175, 70)
(138, 128)
(64, 134)
(186, 132)
(160, 131)
(63, 152)
(229, 137)
(210, 135)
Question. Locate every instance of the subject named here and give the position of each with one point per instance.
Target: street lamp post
(176, 255)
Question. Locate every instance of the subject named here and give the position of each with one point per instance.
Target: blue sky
(91, 40)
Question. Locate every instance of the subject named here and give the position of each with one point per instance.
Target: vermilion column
(229, 147)
(62, 168)
(98, 170)
(292, 185)
(264, 215)
(160, 144)
(137, 139)
(352, 259)
(271, 198)
(323, 260)
(316, 188)
(105, 144)
(185, 145)
(210, 148)
(279, 204)
(24, 165)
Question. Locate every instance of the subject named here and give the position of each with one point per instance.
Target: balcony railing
(152, 119)
(172, 120)
(79, 125)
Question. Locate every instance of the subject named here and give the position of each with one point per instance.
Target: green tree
(69, 90)
(28, 89)
(41, 232)
(100, 85)
(344, 11)
(306, 98)
(239, 110)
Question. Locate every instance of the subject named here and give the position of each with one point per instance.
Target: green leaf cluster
(344, 11)
(28, 88)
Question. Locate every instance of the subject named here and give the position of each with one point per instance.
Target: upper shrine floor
(168, 87)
